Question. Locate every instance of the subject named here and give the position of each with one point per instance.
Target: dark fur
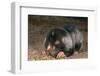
(69, 37)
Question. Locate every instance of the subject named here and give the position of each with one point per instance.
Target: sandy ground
(34, 55)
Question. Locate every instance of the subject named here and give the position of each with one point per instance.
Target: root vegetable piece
(60, 55)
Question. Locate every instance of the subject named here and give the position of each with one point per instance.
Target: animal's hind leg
(78, 47)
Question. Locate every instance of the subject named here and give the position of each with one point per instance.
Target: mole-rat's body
(67, 39)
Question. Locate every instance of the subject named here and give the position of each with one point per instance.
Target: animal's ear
(53, 33)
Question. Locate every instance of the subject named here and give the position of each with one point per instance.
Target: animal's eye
(57, 42)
